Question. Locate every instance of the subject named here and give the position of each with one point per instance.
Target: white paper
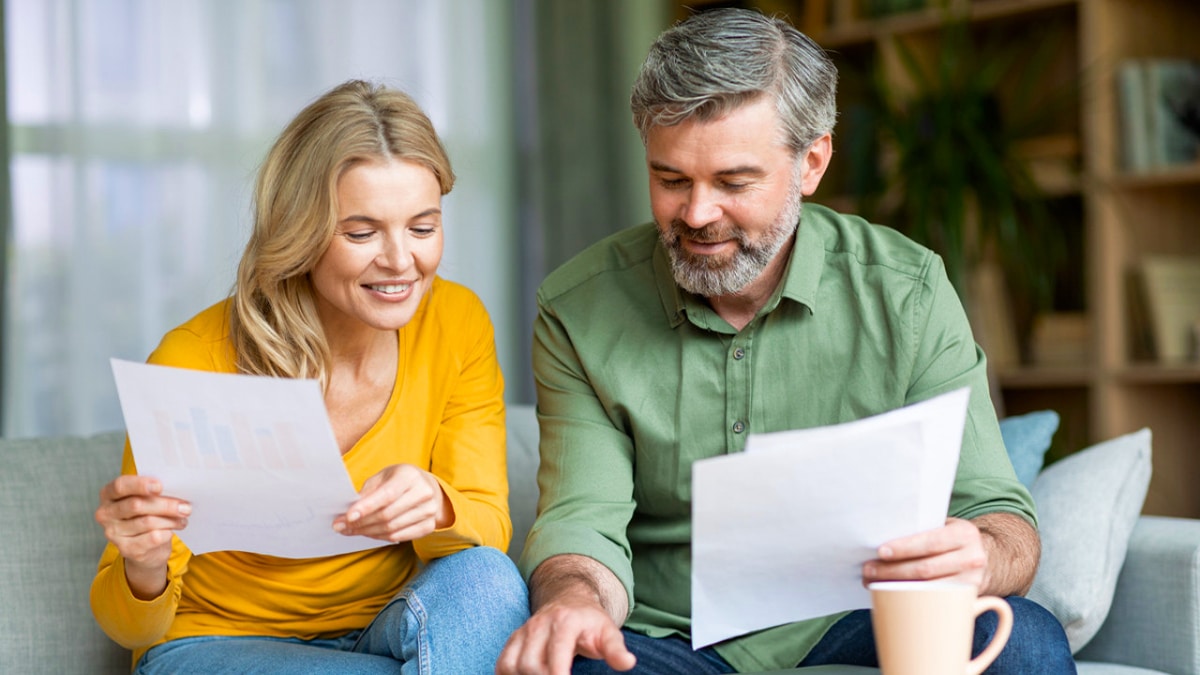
(781, 531)
(255, 456)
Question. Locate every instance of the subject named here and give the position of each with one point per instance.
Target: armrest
(1155, 617)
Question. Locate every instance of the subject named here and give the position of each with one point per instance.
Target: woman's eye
(359, 236)
(424, 230)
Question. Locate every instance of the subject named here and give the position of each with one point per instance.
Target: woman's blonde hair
(274, 327)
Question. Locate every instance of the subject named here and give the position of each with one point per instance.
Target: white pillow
(1088, 503)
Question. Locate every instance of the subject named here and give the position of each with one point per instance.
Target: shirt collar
(800, 278)
(803, 273)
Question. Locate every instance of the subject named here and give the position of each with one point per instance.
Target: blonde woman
(338, 282)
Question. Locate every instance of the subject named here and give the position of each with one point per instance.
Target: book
(1159, 104)
(1060, 339)
(1172, 89)
(1171, 285)
(1135, 128)
(991, 315)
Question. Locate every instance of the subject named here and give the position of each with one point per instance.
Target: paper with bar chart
(255, 456)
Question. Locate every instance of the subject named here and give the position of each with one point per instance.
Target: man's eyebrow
(743, 170)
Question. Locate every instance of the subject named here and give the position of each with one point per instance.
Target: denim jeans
(659, 656)
(453, 617)
(1037, 644)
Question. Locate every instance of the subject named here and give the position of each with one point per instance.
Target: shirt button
(738, 427)
(739, 354)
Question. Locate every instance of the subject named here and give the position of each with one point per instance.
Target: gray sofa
(49, 488)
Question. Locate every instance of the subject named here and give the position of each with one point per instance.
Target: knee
(484, 562)
(489, 572)
(1037, 643)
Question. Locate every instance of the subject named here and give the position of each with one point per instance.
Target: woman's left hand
(400, 503)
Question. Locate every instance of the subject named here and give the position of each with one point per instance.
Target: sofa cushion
(1088, 504)
(1027, 438)
(522, 473)
(51, 547)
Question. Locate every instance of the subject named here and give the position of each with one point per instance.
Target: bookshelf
(1111, 219)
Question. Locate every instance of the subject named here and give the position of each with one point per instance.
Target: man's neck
(739, 309)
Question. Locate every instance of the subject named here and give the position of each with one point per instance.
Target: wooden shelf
(862, 31)
(1045, 377)
(1178, 176)
(1160, 373)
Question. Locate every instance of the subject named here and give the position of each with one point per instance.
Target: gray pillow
(1088, 503)
(523, 462)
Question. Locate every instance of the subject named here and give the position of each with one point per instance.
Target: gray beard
(707, 277)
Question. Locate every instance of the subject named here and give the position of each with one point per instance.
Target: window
(136, 127)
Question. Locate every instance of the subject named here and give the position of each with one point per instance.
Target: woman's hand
(400, 503)
(140, 521)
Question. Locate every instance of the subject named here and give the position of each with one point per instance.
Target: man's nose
(701, 208)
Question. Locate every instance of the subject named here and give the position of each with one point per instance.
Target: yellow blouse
(445, 415)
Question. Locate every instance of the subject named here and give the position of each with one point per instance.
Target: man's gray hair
(715, 61)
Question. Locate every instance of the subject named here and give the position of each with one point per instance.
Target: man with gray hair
(738, 311)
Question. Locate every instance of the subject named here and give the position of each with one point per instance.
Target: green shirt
(637, 379)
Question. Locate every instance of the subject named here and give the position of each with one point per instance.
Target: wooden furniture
(1106, 383)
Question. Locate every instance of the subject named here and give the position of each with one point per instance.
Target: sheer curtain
(136, 129)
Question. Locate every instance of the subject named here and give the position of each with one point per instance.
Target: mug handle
(997, 604)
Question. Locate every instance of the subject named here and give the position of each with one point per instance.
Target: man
(666, 344)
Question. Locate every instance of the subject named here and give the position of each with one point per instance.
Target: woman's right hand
(140, 521)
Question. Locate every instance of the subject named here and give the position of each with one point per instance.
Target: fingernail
(353, 516)
(339, 526)
(885, 552)
(185, 509)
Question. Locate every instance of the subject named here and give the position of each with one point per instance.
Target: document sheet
(781, 531)
(255, 456)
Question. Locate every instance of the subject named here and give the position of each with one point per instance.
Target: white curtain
(136, 129)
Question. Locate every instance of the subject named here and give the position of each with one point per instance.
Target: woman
(338, 283)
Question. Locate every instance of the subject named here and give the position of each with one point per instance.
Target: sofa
(49, 489)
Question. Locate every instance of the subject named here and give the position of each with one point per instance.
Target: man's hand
(997, 553)
(578, 607)
(548, 642)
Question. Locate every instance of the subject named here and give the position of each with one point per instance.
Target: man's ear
(813, 164)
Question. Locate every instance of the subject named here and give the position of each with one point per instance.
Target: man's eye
(735, 187)
(672, 183)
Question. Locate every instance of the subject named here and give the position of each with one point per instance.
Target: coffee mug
(926, 627)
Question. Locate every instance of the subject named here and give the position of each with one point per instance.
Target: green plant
(951, 178)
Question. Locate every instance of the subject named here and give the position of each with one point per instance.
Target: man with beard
(734, 312)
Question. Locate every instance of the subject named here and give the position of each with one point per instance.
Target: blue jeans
(1037, 644)
(453, 617)
(659, 656)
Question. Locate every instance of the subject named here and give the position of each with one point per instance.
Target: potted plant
(950, 175)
